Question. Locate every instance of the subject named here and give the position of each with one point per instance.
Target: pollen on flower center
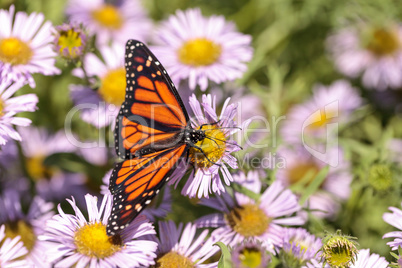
(339, 256)
(339, 250)
(91, 240)
(299, 171)
(250, 257)
(108, 16)
(248, 220)
(24, 230)
(36, 169)
(199, 52)
(383, 42)
(113, 86)
(172, 260)
(213, 147)
(15, 51)
(70, 40)
(322, 119)
(1, 107)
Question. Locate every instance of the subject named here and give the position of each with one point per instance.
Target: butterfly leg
(200, 149)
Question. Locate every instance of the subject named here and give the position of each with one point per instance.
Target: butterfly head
(194, 135)
(208, 144)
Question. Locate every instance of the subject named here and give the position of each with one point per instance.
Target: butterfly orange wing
(153, 112)
(135, 182)
(148, 134)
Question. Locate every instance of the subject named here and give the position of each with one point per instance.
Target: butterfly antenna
(215, 123)
(239, 128)
(210, 124)
(231, 143)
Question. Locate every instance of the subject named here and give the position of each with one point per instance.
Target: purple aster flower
(101, 107)
(250, 253)
(199, 49)
(244, 218)
(111, 22)
(183, 248)
(96, 155)
(12, 177)
(10, 106)
(250, 111)
(51, 182)
(74, 240)
(301, 168)
(106, 180)
(159, 207)
(28, 226)
(299, 247)
(25, 46)
(217, 148)
(394, 219)
(315, 264)
(11, 250)
(70, 41)
(375, 52)
(367, 260)
(312, 119)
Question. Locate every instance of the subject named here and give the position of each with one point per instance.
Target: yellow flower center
(15, 51)
(199, 52)
(213, 147)
(172, 260)
(300, 171)
(72, 41)
(250, 257)
(303, 247)
(291, 257)
(24, 230)
(322, 119)
(91, 240)
(339, 252)
(340, 257)
(108, 16)
(113, 86)
(1, 107)
(37, 170)
(383, 42)
(248, 220)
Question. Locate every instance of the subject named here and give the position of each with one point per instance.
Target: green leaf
(53, 10)
(225, 260)
(394, 255)
(314, 185)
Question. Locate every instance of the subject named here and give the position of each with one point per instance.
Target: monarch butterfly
(153, 133)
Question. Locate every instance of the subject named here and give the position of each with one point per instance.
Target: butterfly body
(153, 135)
(187, 136)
